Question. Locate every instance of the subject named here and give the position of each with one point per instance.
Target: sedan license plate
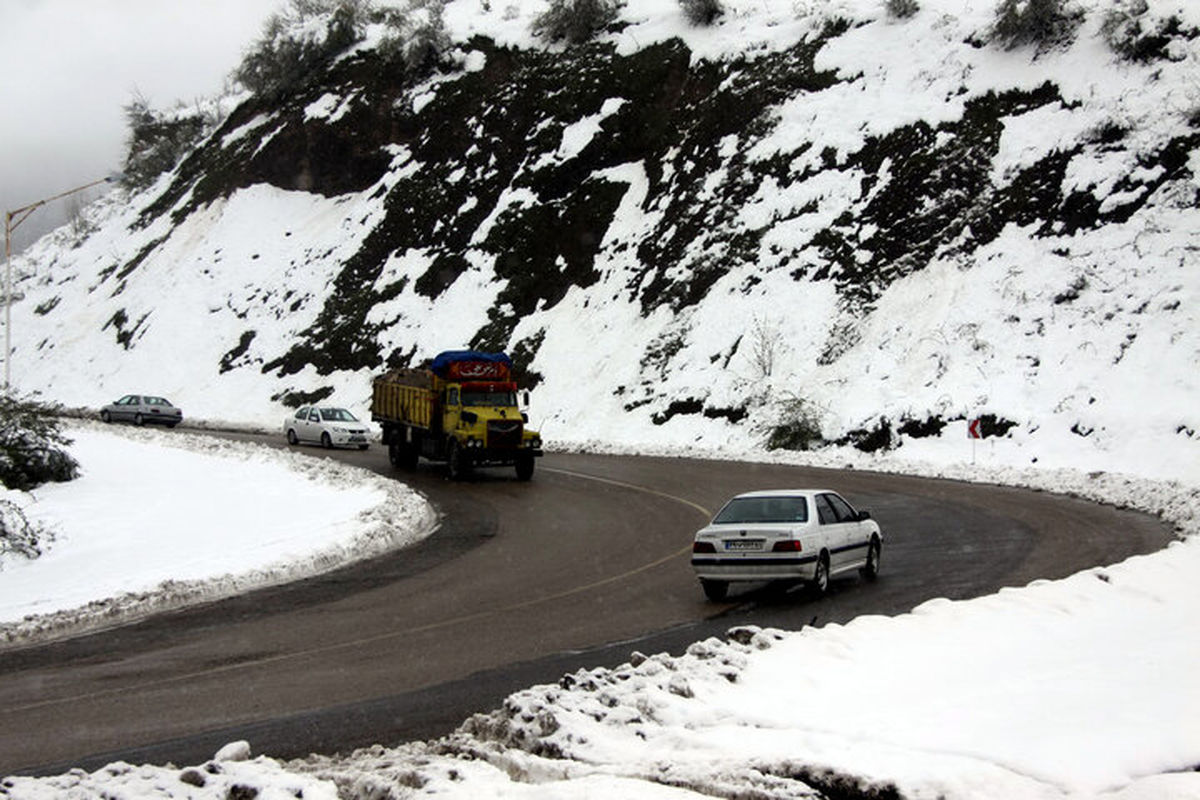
(743, 544)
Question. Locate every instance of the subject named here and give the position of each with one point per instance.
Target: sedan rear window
(763, 509)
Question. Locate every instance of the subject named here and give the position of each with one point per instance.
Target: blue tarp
(442, 361)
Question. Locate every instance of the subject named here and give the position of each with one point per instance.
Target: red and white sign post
(974, 434)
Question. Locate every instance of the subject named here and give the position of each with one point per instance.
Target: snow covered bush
(157, 141)
(798, 426)
(300, 39)
(701, 12)
(576, 21)
(902, 9)
(17, 535)
(416, 38)
(1139, 36)
(31, 445)
(1039, 22)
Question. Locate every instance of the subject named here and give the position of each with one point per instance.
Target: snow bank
(159, 520)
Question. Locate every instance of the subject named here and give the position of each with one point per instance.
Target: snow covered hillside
(686, 235)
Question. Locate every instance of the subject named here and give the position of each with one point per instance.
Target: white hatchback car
(803, 535)
(327, 426)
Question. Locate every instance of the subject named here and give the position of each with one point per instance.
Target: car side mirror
(864, 515)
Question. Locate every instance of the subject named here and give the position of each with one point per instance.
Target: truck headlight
(534, 443)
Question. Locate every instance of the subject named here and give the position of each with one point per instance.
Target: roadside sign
(973, 431)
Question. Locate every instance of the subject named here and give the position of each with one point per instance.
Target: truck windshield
(505, 399)
(763, 509)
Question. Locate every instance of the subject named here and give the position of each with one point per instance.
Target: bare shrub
(765, 344)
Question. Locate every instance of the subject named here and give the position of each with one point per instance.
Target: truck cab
(484, 419)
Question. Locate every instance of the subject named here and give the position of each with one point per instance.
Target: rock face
(715, 229)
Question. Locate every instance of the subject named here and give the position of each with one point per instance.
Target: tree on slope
(31, 453)
(576, 21)
(31, 445)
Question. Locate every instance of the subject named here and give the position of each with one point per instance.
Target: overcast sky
(67, 67)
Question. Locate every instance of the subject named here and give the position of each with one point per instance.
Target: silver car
(142, 409)
(327, 426)
(805, 535)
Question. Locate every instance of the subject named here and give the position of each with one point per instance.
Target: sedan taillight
(703, 547)
(788, 546)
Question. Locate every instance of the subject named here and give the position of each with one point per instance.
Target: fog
(70, 66)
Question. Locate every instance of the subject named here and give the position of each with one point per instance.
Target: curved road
(522, 582)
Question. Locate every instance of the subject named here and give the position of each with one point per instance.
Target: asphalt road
(522, 583)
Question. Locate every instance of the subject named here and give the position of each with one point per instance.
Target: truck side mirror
(525, 398)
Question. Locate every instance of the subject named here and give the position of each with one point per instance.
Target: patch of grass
(295, 399)
(872, 440)
(230, 359)
(687, 406)
(921, 429)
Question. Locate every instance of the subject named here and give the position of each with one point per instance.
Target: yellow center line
(380, 637)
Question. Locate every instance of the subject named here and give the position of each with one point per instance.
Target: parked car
(327, 426)
(804, 535)
(143, 409)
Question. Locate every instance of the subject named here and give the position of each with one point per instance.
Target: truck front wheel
(524, 468)
(459, 461)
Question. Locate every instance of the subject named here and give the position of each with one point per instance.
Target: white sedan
(327, 426)
(805, 535)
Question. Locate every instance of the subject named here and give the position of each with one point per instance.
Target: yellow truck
(462, 410)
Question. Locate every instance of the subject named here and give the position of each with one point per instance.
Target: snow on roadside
(1081, 687)
(159, 520)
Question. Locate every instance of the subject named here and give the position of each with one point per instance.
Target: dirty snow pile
(157, 521)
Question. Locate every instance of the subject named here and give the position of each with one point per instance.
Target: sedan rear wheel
(714, 590)
(138, 420)
(104, 417)
(820, 581)
(870, 570)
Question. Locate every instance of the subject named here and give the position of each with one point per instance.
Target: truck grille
(504, 434)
